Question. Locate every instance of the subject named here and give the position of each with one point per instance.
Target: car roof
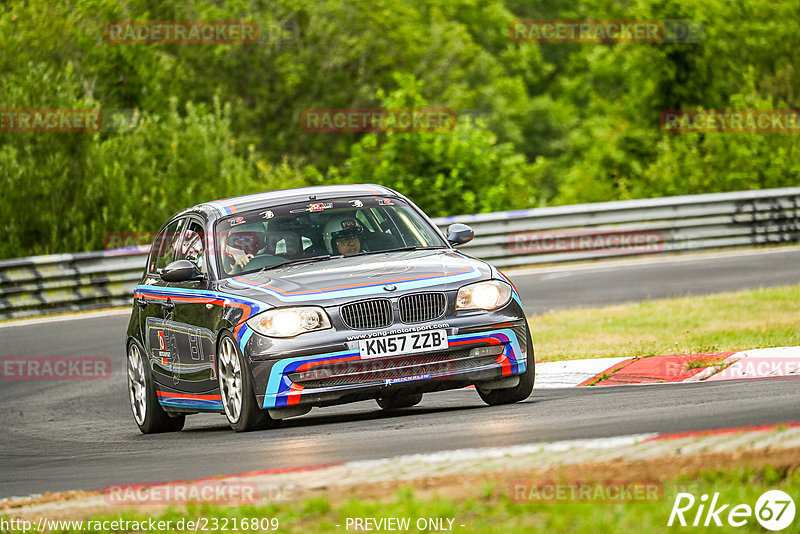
(227, 206)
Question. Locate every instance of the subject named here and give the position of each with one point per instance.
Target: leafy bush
(464, 170)
(561, 123)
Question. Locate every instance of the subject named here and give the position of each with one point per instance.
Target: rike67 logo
(774, 510)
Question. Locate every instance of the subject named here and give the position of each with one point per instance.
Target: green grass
(715, 323)
(491, 510)
(702, 364)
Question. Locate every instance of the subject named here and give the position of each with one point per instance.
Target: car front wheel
(236, 390)
(521, 391)
(150, 417)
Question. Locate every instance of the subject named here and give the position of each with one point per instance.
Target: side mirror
(458, 234)
(180, 271)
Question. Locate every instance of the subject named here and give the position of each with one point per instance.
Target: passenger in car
(344, 235)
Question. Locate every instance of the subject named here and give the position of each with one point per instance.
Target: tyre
(150, 417)
(399, 401)
(521, 391)
(236, 390)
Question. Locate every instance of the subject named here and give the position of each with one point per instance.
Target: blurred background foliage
(539, 124)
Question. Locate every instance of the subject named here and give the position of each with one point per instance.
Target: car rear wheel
(521, 391)
(399, 401)
(148, 414)
(236, 390)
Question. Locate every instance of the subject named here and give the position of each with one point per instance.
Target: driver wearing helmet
(344, 235)
(241, 244)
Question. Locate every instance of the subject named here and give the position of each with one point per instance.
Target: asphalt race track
(61, 435)
(603, 284)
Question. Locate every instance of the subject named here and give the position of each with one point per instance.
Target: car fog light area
(488, 295)
(289, 322)
(494, 350)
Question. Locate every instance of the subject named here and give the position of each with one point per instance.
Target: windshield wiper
(401, 249)
(338, 256)
(298, 261)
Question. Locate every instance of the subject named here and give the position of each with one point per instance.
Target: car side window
(164, 246)
(191, 246)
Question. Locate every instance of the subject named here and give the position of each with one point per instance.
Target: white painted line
(599, 265)
(510, 451)
(570, 373)
(754, 363)
(760, 363)
(556, 275)
(110, 312)
(411, 467)
(704, 375)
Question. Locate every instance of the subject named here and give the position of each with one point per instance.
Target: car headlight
(289, 322)
(488, 295)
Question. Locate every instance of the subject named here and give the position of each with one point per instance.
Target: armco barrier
(63, 282)
(68, 282)
(634, 227)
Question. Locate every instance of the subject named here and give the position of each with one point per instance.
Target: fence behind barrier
(65, 282)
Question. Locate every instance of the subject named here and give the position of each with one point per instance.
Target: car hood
(332, 282)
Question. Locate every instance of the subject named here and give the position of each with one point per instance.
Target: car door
(156, 305)
(189, 319)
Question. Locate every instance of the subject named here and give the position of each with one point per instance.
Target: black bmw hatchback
(263, 306)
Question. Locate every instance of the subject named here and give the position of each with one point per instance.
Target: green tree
(464, 170)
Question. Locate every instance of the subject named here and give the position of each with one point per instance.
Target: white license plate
(424, 341)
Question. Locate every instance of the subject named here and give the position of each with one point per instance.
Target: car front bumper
(488, 349)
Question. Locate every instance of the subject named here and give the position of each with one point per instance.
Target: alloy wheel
(137, 385)
(230, 380)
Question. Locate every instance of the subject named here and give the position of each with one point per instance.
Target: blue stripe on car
(276, 396)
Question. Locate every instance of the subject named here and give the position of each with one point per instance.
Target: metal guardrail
(634, 227)
(69, 282)
(65, 282)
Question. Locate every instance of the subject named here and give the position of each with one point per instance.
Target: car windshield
(316, 231)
